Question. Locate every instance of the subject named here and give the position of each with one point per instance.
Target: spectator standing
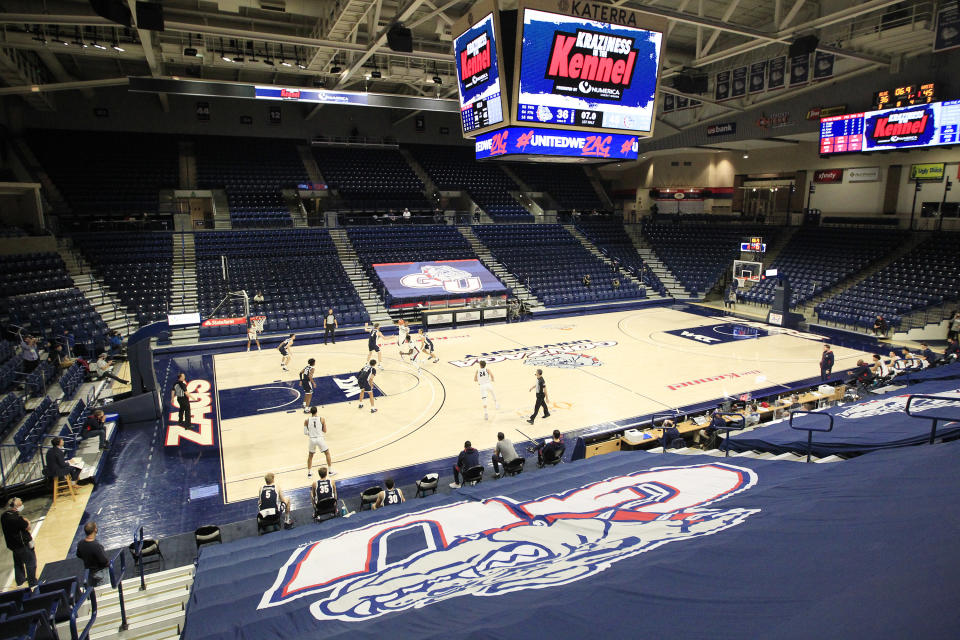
(330, 325)
(503, 453)
(954, 331)
(28, 352)
(826, 363)
(16, 533)
(468, 458)
(94, 557)
(181, 399)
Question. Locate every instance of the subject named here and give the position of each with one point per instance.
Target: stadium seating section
(612, 239)
(926, 277)
(566, 183)
(554, 271)
(108, 175)
(11, 412)
(411, 243)
(456, 169)
(31, 272)
(136, 266)
(371, 180)
(298, 271)
(698, 253)
(253, 171)
(817, 259)
(29, 436)
(49, 313)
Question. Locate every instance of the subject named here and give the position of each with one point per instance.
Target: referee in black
(181, 399)
(542, 399)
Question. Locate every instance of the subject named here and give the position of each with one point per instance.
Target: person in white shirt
(315, 427)
(484, 378)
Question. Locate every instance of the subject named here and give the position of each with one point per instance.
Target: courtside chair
(514, 467)
(207, 534)
(325, 509)
(473, 475)
(369, 496)
(429, 483)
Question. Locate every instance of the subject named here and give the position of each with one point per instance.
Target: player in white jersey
(403, 333)
(484, 378)
(252, 336)
(315, 427)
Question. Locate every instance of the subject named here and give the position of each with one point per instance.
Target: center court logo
(551, 353)
(500, 545)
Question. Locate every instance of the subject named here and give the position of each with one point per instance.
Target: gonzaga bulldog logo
(498, 545)
(449, 279)
(563, 360)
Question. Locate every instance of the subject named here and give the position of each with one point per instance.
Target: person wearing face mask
(16, 532)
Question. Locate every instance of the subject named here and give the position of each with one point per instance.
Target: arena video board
(419, 280)
(910, 127)
(479, 77)
(525, 142)
(595, 66)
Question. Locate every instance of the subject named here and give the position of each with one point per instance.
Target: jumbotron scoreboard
(557, 80)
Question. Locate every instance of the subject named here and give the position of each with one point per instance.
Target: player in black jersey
(365, 379)
(426, 346)
(323, 488)
(273, 506)
(390, 496)
(373, 346)
(284, 349)
(306, 383)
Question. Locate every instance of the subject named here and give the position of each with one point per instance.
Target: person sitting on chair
(551, 450)
(389, 496)
(323, 488)
(586, 279)
(468, 458)
(503, 452)
(94, 426)
(57, 465)
(879, 326)
(273, 505)
(862, 375)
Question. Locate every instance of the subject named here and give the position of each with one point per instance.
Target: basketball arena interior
(499, 319)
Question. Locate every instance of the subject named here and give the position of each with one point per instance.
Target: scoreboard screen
(479, 78)
(841, 134)
(910, 127)
(577, 72)
(905, 96)
(754, 245)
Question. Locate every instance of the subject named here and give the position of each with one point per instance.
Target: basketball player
(252, 336)
(390, 496)
(407, 349)
(322, 488)
(306, 383)
(426, 346)
(403, 332)
(284, 349)
(315, 427)
(365, 380)
(484, 378)
(373, 344)
(272, 502)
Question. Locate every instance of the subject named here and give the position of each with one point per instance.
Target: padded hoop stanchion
(934, 419)
(810, 430)
(738, 422)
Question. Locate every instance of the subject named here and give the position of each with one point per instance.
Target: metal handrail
(116, 581)
(738, 422)
(662, 417)
(89, 592)
(934, 419)
(810, 430)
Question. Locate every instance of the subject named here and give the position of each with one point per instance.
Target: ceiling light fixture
(117, 47)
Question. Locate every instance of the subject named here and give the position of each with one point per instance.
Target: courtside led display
(478, 76)
(922, 125)
(578, 72)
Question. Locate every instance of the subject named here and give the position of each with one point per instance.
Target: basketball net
(257, 323)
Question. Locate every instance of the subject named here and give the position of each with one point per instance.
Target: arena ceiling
(53, 45)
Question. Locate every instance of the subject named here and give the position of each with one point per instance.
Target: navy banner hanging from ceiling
(822, 65)
(799, 69)
(739, 87)
(721, 90)
(776, 72)
(948, 27)
(668, 102)
(757, 76)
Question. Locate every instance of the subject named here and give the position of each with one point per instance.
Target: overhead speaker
(690, 83)
(804, 46)
(113, 10)
(150, 16)
(399, 38)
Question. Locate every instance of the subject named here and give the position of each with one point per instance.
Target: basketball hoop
(257, 323)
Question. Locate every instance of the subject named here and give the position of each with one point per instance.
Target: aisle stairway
(103, 300)
(154, 614)
(183, 295)
(592, 248)
(221, 210)
(372, 301)
(518, 289)
(653, 262)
